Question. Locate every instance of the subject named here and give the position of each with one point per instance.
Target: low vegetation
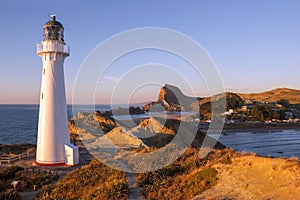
(186, 177)
(94, 181)
(9, 172)
(6, 175)
(27, 181)
(31, 180)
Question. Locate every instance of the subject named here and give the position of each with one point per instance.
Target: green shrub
(28, 180)
(10, 172)
(9, 194)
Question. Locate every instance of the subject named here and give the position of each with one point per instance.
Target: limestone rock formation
(118, 138)
(171, 98)
(88, 124)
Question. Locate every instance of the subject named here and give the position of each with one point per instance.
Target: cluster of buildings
(263, 112)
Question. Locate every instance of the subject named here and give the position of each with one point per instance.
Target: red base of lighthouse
(50, 164)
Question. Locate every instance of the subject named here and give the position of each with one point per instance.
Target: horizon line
(289, 88)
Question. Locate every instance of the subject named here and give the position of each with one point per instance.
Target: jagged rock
(152, 125)
(135, 110)
(153, 132)
(171, 98)
(160, 132)
(91, 123)
(120, 138)
(148, 106)
(170, 94)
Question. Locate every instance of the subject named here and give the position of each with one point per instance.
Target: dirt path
(28, 195)
(135, 191)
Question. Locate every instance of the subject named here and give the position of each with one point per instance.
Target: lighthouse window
(44, 71)
(42, 95)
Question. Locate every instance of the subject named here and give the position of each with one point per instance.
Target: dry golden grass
(95, 181)
(252, 177)
(185, 178)
(293, 96)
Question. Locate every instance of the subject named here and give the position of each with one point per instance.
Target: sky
(254, 44)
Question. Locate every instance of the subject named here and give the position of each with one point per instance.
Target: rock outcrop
(160, 132)
(118, 138)
(89, 125)
(171, 98)
(100, 131)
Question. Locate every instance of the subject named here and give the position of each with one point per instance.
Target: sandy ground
(251, 177)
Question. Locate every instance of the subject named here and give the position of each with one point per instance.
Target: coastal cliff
(171, 98)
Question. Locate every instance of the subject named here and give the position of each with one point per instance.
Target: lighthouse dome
(53, 22)
(53, 30)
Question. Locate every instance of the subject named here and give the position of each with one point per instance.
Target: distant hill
(171, 98)
(291, 95)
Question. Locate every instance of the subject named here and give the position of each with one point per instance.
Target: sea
(19, 123)
(265, 143)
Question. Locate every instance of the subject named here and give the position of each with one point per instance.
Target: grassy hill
(291, 95)
(223, 174)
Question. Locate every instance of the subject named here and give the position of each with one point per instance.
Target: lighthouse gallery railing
(53, 46)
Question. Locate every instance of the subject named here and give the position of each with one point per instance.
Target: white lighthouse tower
(53, 143)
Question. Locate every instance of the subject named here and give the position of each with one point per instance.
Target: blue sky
(255, 44)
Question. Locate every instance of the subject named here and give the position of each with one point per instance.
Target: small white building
(72, 154)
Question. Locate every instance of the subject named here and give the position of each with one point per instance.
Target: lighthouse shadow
(85, 157)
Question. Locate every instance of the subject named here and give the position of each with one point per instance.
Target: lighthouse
(53, 142)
